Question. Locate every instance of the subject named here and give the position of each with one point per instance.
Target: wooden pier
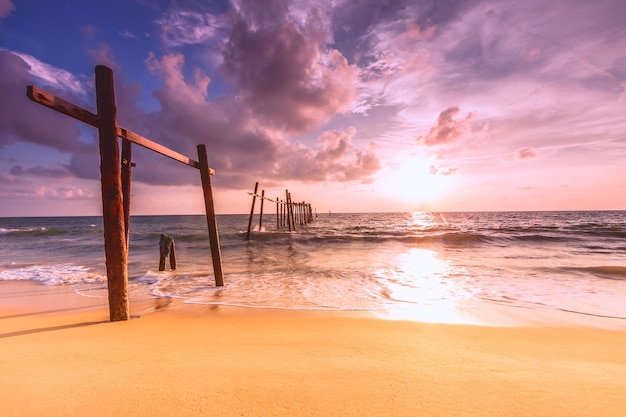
(289, 214)
(115, 184)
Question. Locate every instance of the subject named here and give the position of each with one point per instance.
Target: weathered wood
(166, 248)
(290, 214)
(126, 166)
(256, 187)
(50, 100)
(261, 216)
(115, 184)
(261, 197)
(173, 257)
(116, 251)
(277, 216)
(147, 143)
(214, 239)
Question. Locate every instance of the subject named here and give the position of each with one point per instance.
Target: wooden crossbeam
(55, 103)
(262, 197)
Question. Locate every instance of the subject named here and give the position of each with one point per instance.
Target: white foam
(59, 274)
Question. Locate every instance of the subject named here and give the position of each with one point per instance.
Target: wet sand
(61, 357)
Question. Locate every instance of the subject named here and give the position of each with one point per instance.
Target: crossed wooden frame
(115, 184)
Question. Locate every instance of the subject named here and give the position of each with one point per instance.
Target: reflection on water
(423, 288)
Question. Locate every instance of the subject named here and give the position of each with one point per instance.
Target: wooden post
(173, 257)
(115, 248)
(261, 216)
(214, 239)
(166, 248)
(290, 213)
(126, 165)
(282, 214)
(256, 187)
(277, 217)
(287, 209)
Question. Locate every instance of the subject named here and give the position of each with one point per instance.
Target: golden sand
(61, 357)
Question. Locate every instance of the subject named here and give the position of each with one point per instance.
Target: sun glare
(416, 181)
(423, 283)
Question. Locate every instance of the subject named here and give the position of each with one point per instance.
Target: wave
(33, 231)
(603, 271)
(59, 274)
(453, 239)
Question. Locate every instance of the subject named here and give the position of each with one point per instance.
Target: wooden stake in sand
(256, 187)
(115, 248)
(166, 249)
(214, 239)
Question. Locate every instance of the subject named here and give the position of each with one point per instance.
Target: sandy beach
(61, 357)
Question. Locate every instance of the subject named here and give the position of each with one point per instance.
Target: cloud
(434, 170)
(127, 34)
(40, 171)
(187, 27)
(525, 153)
(52, 76)
(24, 120)
(176, 88)
(6, 7)
(286, 73)
(447, 129)
(334, 160)
(240, 143)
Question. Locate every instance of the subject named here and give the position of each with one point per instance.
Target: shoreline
(61, 356)
(20, 295)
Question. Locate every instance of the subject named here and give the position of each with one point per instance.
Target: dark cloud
(289, 81)
(24, 120)
(357, 24)
(285, 73)
(40, 171)
(447, 129)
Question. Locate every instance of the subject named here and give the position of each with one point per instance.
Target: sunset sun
(416, 181)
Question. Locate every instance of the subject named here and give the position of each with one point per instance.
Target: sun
(415, 181)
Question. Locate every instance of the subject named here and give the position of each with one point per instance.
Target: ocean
(432, 267)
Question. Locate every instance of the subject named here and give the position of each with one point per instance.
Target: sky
(352, 105)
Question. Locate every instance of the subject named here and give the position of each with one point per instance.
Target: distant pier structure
(289, 214)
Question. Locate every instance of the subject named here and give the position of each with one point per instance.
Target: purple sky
(366, 105)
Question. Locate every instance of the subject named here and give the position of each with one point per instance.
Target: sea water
(422, 266)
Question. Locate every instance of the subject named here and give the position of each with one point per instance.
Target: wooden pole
(256, 187)
(115, 248)
(166, 248)
(291, 214)
(173, 257)
(126, 165)
(287, 209)
(277, 216)
(214, 239)
(282, 214)
(261, 216)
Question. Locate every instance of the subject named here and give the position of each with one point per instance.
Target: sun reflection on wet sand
(423, 288)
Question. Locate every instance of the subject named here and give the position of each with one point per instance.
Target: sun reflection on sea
(423, 288)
